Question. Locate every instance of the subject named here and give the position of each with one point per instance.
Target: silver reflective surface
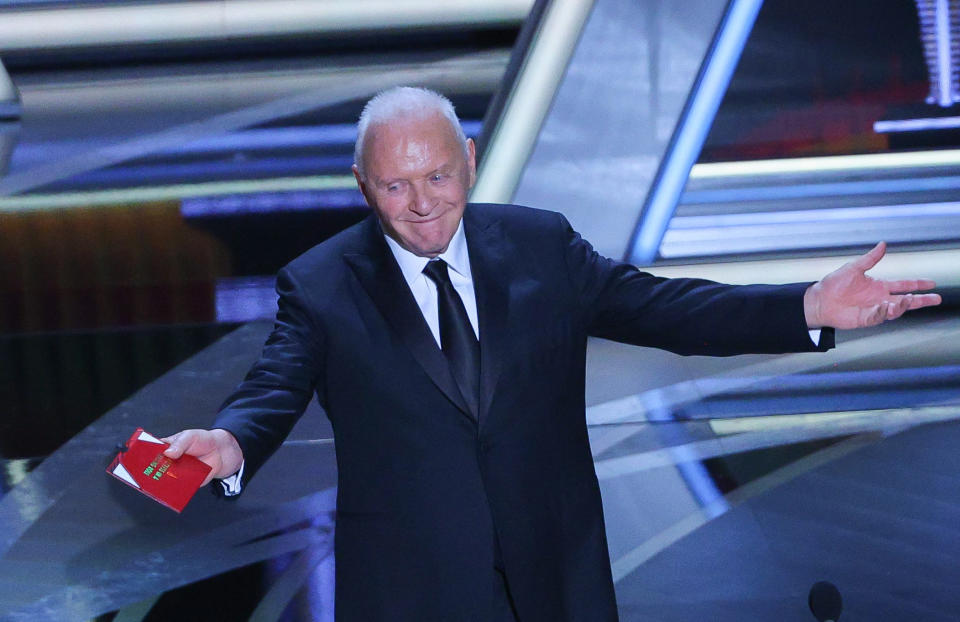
(615, 112)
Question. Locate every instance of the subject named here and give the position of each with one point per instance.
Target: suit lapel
(380, 276)
(491, 270)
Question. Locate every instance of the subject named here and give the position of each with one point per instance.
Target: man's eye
(438, 177)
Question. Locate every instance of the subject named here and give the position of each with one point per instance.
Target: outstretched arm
(259, 414)
(848, 298)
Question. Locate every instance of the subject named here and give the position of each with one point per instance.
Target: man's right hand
(217, 448)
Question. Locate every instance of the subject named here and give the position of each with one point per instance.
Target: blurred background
(160, 161)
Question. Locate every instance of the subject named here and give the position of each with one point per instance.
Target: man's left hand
(848, 298)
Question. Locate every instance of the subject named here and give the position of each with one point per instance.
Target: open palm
(849, 298)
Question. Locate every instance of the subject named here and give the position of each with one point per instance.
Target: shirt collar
(412, 265)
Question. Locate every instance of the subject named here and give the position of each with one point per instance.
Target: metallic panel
(216, 20)
(615, 113)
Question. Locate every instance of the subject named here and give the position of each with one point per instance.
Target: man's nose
(422, 200)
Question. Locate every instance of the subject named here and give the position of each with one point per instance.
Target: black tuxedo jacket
(424, 489)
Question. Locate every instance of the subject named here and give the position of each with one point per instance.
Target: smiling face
(416, 180)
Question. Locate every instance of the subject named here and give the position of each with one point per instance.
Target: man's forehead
(412, 126)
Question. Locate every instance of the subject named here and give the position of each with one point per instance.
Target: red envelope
(165, 480)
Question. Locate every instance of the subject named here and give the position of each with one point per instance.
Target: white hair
(404, 102)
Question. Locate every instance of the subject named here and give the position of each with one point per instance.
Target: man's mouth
(423, 221)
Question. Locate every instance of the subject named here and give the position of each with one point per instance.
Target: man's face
(417, 180)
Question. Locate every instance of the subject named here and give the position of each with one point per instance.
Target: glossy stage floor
(727, 493)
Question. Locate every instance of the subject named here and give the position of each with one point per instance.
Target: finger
(886, 310)
(898, 308)
(918, 301)
(910, 285)
(873, 315)
(175, 450)
(212, 460)
(868, 260)
(181, 442)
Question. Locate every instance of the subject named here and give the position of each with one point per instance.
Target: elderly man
(447, 343)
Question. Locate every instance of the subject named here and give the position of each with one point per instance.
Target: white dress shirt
(424, 290)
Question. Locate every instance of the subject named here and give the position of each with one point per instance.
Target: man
(466, 485)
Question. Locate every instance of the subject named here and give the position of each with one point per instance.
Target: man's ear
(361, 184)
(472, 162)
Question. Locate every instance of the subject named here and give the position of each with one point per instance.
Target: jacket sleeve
(277, 389)
(686, 316)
